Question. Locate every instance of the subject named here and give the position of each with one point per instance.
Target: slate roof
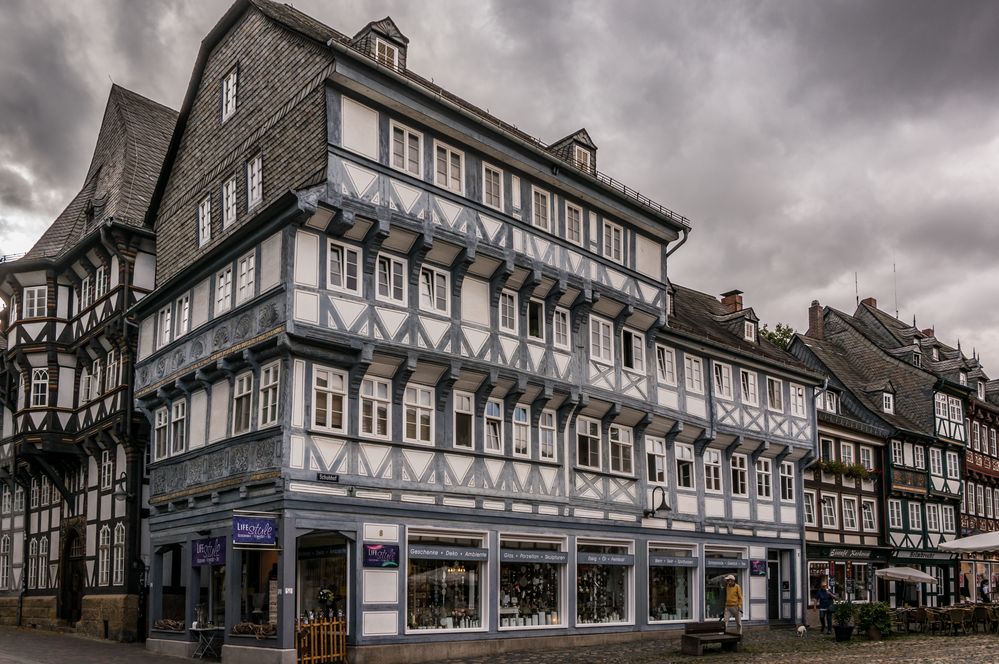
(700, 315)
(123, 171)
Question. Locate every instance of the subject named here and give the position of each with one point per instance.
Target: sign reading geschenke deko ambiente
(438, 552)
(254, 531)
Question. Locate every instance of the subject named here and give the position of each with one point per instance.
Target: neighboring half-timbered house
(402, 352)
(71, 448)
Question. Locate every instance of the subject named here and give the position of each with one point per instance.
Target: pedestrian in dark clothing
(825, 600)
(983, 591)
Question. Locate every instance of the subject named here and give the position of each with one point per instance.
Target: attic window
(963, 377)
(917, 360)
(749, 331)
(981, 390)
(936, 354)
(229, 95)
(888, 402)
(582, 157)
(386, 54)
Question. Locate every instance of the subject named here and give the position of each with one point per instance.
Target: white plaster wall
(648, 257)
(146, 336)
(144, 275)
(359, 128)
(198, 418)
(475, 301)
(307, 259)
(220, 411)
(199, 303)
(270, 262)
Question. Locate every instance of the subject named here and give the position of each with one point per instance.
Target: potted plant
(857, 471)
(843, 613)
(874, 619)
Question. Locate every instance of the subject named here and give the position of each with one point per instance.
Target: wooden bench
(697, 635)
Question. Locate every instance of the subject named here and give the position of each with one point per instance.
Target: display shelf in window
(444, 583)
(530, 587)
(671, 583)
(603, 584)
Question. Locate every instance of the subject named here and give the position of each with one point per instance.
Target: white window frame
(868, 508)
(665, 365)
(953, 465)
(779, 407)
(350, 256)
(915, 516)
(418, 402)
(386, 54)
(656, 460)
(867, 457)
(39, 388)
(5, 565)
(582, 158)
(536, 305)
(107, 470)
(764, 478)
(936, 462)
(463, 403)
(205, 221)
(601, 340)
(980, 497)
(182, 322)
(693, 373)
(507, 314)
(713, 471)
(808, 505)
(833, 521)
(847, 452)
(888, 402)
(739, 471)
(335, 388)
(722, 379)
(787, 489)
(940, 406)
(521, 430)
(488, 169)
(574, 223)
(684, 454)
(35, 302)
(637, 342)
(449, 152)
(613, 245)
(561, 329)
(850, 503)
(370, 395)
(621, 442)
(897, 456)
(541, 214)
(492, 420)
(104, 556)
(919, 456)
(749, 331)
(229, 88)
(118, 556)
(230, 202)
(166, 326)
(947, 518)
(749, 384)
(798, 407)
(407, 149)
(590, 429)
(395, 290)
(86, 298)
(434, 302)
(178, 428)
(242, 393)
(246, 277)
(254, 181)
(548, 435)
(270, 395)
(100, 282)
(956, 411)
(223, 290)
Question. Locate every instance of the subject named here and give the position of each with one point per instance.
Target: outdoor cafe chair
(981, 616)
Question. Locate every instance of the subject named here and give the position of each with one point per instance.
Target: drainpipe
(686, 234)
(24, 554)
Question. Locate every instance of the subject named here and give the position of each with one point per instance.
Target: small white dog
(801, 631)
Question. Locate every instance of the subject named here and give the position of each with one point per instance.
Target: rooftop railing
(10, 257)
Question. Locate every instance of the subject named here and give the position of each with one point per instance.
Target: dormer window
(749, 331)
(888, 402)
(386, 54)
(582, 157)
(917, 360)
(963, 378)
(981, 390)
(229, 95)
(936, 354)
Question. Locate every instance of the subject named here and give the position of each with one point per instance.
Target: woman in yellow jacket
(733, 602)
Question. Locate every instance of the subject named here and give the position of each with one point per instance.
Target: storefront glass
(718, 565)
(322, 576)
(530, 590)
(603, 577)
(258, 584)
(444, 582)
(211, 598)
(671, 583)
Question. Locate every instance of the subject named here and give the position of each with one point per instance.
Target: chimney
(815, 321)
(928, 332)
(870, 301)
(732, 301)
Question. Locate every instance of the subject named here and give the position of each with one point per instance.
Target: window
(205, 221)
(940, 405)
(407, 150)
(386, 54)
(546, 434)
(5, 500)
(963, 377)
(18, 499)
(712, 471)
(739, 474)
(86, 387)
(32, 570)
(118, 559)
(588, 443)
(955, 409)
(166, 327)
(828, 401)
(574, 224)
(375, 407)
(920, 455)
(246, 277)
(254, 182)
(988, 502)
(829, 517)
(867, 516)
(693, 374)
(229, 95)
(46, 491)
(917, 359)
(391, 279)
(433, 290)
(613, 242)
(464, 413)
(975, 436)
(43, 563)
(749, 330)
(969, 494)
(100, 282)
(948, 518)
(992, 442)
(178, 427)
(665, 365)
(809, 509)
(242, 398)
(536, 320)
(775, 395)
(343, 271)
(896, 452)
(228, 202)
(981, 390)
(850, 513)
(750, 393)
(787, 481)
(560, 323)
(85, 293)
(39, 388)
(35, 301)
(798, 400)
(521, 431)
(723, 380)
(601, 341)
(183, 321)
(107, 470)
(763, 478)
(104, 556)
(508, 312)
(270, 380)
(953, 465)
(582, 157)
(684, 466)
(34, 493)
(846, 452)
(540, 208)
(633, 350)
(5, 564)
(223, 290)
(936, 461)
(980, 496)
(655, 460)
(888, 402)
(419, 414)
(867, 458)
(329, 392)
(494, 426)
(915, 517)
(621, 448)
(449, 168)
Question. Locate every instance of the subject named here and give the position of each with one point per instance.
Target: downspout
(686, 234)
(24, 554)
(801, 508)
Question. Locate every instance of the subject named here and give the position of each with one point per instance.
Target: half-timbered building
(408, 365)
(71, 447)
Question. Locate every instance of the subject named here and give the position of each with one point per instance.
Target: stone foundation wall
(112, 617)
(8, 611)
(38, 612)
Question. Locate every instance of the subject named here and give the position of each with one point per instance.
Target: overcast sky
(806, 141)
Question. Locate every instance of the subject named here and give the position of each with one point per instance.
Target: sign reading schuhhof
(209, 551)
(254, 530)
(381, 555)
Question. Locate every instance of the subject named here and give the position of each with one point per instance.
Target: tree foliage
(781, 336)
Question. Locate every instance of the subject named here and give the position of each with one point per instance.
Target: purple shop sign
(209, 551)
(254, 530)
(381, 555)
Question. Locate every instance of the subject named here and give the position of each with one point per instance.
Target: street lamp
(121, 494)
(663, 507)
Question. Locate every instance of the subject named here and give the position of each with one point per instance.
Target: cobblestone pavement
(29, 646)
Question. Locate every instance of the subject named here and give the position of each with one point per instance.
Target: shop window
(603, 580)
(671, 583)
(718, 565)
(444, 582)
(173, 598)
(211, 596)
(258, 599)
(322, 576)
(530, 588)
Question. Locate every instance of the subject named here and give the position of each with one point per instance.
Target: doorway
(74, 575)
(773, 587)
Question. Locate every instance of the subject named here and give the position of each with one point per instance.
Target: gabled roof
(581, 136)
(119, 183)
(385, 27)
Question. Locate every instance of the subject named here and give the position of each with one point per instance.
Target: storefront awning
(975, 544)
(905, 574)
